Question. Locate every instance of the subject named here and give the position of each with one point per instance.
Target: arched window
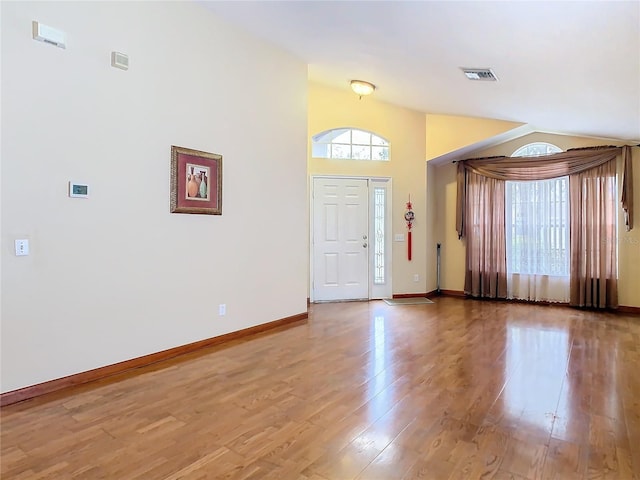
(350, 144)
(536, 149)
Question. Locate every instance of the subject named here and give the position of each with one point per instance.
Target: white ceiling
(563, 66)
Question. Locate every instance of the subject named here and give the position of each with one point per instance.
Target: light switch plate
(22, 247)
(398, 237)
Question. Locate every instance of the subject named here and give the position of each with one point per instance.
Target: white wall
(117, 276)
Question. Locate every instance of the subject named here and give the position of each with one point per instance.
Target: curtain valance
(542, 168)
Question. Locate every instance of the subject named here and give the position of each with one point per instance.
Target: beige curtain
(627, 188)
(486, 260)
(480, 218)
(594, 261)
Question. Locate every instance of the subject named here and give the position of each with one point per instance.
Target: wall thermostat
(78, 190)
(47, 34)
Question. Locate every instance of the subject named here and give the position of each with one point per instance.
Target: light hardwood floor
(460, 389)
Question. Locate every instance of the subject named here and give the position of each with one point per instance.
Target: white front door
(340, 239)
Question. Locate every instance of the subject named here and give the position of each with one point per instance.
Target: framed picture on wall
(196, 181)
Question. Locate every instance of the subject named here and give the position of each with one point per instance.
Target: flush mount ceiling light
(360, 87)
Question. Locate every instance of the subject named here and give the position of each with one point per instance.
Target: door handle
(364, 245)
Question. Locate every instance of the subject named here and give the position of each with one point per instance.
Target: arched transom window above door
(350, 144)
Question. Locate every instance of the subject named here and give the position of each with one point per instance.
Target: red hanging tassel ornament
(409, 216)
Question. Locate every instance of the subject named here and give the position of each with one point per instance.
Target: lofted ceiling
(569, 67)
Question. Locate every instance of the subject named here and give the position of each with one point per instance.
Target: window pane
(344, 137)
(537, 230)
(380, 153)
(378, 226)
(320, 150)
(376, 140)
(329, 135)
(340, 151)
(360, 137)
(361, 152)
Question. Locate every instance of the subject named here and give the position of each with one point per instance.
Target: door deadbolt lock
(364, 237)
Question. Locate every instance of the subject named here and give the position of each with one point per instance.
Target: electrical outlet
(416, 278)
(222, 309)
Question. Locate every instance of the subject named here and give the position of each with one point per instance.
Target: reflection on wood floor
(460, 389)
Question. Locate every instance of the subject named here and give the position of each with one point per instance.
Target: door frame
(375, 291)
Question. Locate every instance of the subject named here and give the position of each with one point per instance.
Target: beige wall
(432, 229)
(405, 129)
(454, 250)
(448, 133)
(117, 276)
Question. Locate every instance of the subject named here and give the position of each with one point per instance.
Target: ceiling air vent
(480, 74)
